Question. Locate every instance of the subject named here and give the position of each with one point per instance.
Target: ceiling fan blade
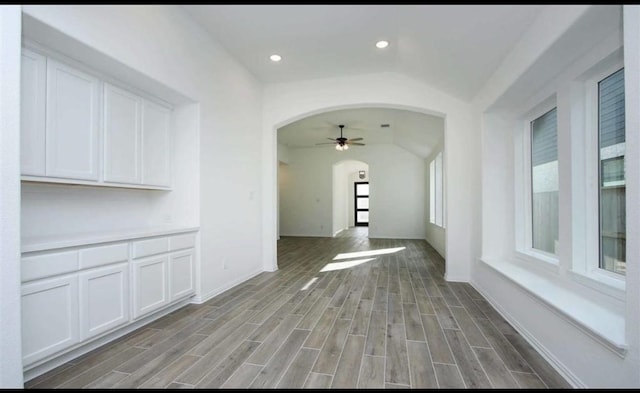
(357, 144)
(355, 139)
(331, 139)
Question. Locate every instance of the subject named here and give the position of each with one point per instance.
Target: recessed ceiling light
(275, 57)
(382, 44)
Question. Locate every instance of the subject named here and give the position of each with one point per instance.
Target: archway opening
(396, 144)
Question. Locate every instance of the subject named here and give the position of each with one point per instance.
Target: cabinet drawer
(182, 241)
(51, 264)
(144, 248)
(103, 255)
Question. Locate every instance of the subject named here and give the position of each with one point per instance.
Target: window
(611, 184)
(544, 182)
(436, 200)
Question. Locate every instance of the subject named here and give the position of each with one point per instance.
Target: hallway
(333, 315)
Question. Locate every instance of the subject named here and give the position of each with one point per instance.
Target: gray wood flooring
(332, 316)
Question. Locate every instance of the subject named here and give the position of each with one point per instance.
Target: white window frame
(436, 190)
(587, 265)
(523, 189)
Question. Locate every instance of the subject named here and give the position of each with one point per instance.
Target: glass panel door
(361, 194)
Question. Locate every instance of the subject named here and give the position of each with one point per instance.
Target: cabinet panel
(182, 241)
(71, 123)
(181, 274)
(122, 130)
(143, 248)
(49, 264)
(49, 317)
(150, 284)
(103, 255)
(156, 151)
(104, 299)
(32, 113)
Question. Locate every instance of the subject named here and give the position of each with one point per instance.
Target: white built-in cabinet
(79, 128)
(32, 116)
(71, 136)
(122, 131)
(156, 126)
(50, 317)
(73, 295)
(163, 272)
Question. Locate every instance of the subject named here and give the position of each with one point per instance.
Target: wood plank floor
(343, 312)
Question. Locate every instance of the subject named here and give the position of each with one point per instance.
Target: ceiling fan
(342, 143)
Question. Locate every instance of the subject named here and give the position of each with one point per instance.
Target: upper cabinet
(32, 115)
(72, 123)
(156, 126)
(121, 136)
(79, 129)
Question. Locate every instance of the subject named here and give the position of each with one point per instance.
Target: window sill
(599, 322)
(601, 282)
(537, 261)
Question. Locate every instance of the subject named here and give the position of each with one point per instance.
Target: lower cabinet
(50, 319)
(150, 284)
(162, 279)
(72, 296)
(181, 274)
(104, 299)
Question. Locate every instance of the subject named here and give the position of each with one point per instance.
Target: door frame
(355, 205)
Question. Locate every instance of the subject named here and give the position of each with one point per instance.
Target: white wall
(11, 337)
(396, 202)
(338, 200)
(435, 235)
(288, 102)
(162, 45)
(560, 45)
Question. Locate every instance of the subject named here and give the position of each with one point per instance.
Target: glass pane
(611, 136)
(363, 216)
(432, 192)
(362, 203)
(362, 189)
(439, 207)
(544, 182)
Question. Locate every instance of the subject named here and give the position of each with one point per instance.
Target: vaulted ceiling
(453, 48)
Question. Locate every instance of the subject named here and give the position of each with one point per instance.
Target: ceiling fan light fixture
(382, 44)
(345, 147)
(339, 147)
(275, 58)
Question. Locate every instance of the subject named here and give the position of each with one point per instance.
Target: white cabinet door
(104, 299)
(181, 281)
(150, 284)
(121, 125)
(49, 317)
(32, 113)
(71, 123)
(156, 149)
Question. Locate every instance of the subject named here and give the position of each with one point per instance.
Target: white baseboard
(206, 297)
(570, 377)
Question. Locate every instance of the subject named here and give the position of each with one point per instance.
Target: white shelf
(56, 242)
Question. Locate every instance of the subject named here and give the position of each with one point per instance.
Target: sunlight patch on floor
(308, 284)
(359, 254)
(344, 265)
